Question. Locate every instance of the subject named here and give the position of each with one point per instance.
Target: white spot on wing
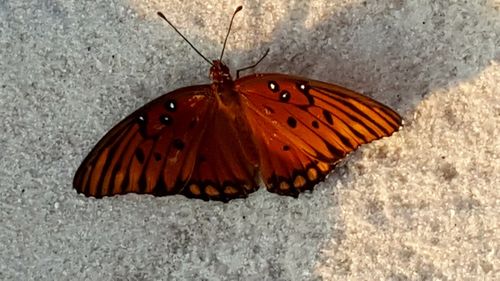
(171, 105)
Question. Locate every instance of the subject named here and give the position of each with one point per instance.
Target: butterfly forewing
(302, 127)
(144, 152)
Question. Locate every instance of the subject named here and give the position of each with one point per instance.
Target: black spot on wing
(285, 96)
(178, 144)
(157, 156)
(142, 121)
(273, 86)
(315, 124)
(304, 87)
(328, 117)
(292, 122)
(139, 154)
(166, 119)
(201, 158)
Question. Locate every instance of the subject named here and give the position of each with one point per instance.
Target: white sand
(421, 205)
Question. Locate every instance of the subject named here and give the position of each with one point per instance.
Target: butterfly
(213, 141)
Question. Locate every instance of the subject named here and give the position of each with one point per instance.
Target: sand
(423, 204)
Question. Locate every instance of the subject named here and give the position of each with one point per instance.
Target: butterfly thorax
(223, 85)
(219, 72)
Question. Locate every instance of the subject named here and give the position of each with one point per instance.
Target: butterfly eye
(286, 147)
(273, 86)
(171, 105)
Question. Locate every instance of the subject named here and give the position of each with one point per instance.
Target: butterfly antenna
(253, 65)
(229, 30)
(185, 39)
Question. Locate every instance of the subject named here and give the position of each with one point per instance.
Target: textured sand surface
(423, 204)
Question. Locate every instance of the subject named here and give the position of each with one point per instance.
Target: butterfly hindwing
(226, 162)
(302, 128)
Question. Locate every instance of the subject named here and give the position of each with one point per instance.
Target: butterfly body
(223, 89)
(213, 141)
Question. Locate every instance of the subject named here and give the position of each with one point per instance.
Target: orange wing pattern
(186, 142)
(226, 167)
(302, 128)
(145, 152)
(174, 144)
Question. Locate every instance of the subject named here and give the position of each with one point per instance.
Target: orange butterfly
(210, 141)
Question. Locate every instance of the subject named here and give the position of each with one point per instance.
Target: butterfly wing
(226, 166)
(145, 152)
(302, 128)
(179, 143)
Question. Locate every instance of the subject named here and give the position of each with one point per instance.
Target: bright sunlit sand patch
(427, 218)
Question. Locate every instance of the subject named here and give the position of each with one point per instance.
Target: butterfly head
(219, 72)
